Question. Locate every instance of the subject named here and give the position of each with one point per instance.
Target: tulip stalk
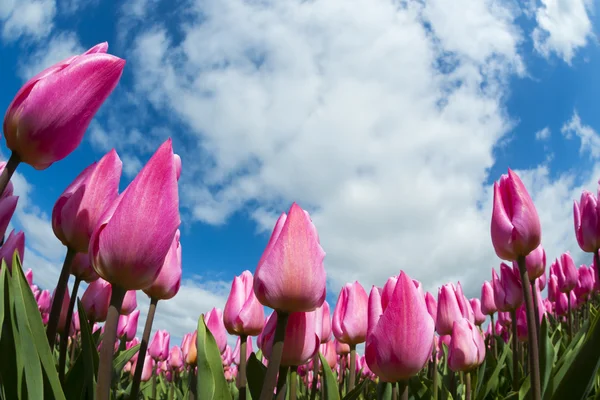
(242, 369)
(135, 386)
(64, 337)
(535, 307)
(313, 389)
(515, 349)
(275, 360)
(531, 332)
(108, 343)
(281, 382)
(11, 165)
(435, 372)
(402, 389)
(293, 382)
(468, 386)
(352, 377)
(494, 337)
(570, 318)
(59, 293)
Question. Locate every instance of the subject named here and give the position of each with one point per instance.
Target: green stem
(108, 344)
(281, 382)
(153, 384)
(531, 333)
(276, 354)
(515, 349)
(64, 337)
(352, 368)
(468, 390)
(435, 372)
(570, 319)
(494, 337)
(313, 389)
(403, 390)
(394, 391)
(59, 294)
(192, 382)
(535, 308)
(139, 367)
(11, 165)
(242, 371)
(293, 382)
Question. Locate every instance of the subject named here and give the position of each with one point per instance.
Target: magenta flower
(14, 243)
(82, 268)
(535, 262)
(214, 323)
(488, 304)
(96, 300)
(507, 290)
(167, 283)
(127, 326)
(301, 338)
(566, 272)
(349, 324)
(159, 347)
(467, 348)
(586, 218)
(243, 314)
(479, 316)
(431, 304)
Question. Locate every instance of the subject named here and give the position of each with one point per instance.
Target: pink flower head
(243, 314)
(349, 323)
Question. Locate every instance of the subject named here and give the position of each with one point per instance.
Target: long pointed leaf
(331, 390)
(255, 374)
(211, 383)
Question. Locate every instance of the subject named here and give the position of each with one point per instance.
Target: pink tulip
(243, 314)
(227, 356)
(328, 351)
(75, 325)
(129, 244)
(488, 303)
(467, 348)
(375, 308)
(129, 302)
(80, 206)
(341, 348)
(521, 324)
(508, 293)
(448, 309)
(431, 304)
(535, 262)
(127, 326)
(504, 318)
(541, 281)
(562, 304)
(587, 222)
(324, 316)
(214, 323)
(14, 243)
(301, 339)
(47, 118)
(8, 204)
(515, 226)
(96, 300)
(349, 324)
(82, 268)
(400, 344)
(388, 291)
(146, 370)
(176, 358)
(167, 283)
(29, 276)
(479, 316)
(548, 306)
(290, 275)
(553, 288)
(44, 301)
(566, 273)
(159, 347)
(463, 303)
(236, 350)
(585, 282)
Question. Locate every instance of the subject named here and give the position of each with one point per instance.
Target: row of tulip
(415, 345)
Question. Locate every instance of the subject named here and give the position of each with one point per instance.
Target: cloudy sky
(387, 120)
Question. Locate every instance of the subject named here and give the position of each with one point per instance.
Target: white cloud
(563, 27)
(26, 18)
(590, 141)
(58, 47)
(73, 6)
(131, 165)
(543, 134)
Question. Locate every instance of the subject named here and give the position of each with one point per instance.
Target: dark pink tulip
(82, 268)
(535, 262)
(176, 357)
(96, 300)
(328, 351)
(214, 323)
(147, 370)
(341, 348)
(448, 309)
(504, 318)
(127, 326)
(167, 283)
(566, 273)
(478, 315)
(349, 323)
(132, 238)
(488, 303)
(290, 275)
(508, 294)
(227, 356)
(467, 348)
(62, 320)
(159, 347)
(431, 305)
(541, 281)
(463, 303)
(243, 314)
(8, 204)
(586, 218)
(14, 243)
(80, 206)
(553, 288)
(585, 282)
(548, 306)
(388, 291)
(75, 325)
(29, 276)
(515, 226)
(323, 314)
(521, 324)
(47, 118)
(400, 344)
(44, 301)
(129, 302)
(301, 339)
(562, 304)
(236, 351)
(375, 308)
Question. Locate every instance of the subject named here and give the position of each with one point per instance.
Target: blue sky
(388, 121)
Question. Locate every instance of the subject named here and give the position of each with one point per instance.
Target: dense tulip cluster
(412, 341)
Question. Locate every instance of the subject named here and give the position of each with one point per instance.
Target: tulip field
(533, 333)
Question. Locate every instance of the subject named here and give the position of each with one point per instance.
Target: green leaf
(120, 361)
(492, 382)
(255, 374)
(547, 356)
(582, 370)
(89, 353)
(355, 393)
(384, 391)
(10, 368)
(330, 383)
(211, 383)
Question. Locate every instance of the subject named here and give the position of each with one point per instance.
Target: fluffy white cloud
(563, 27)
(590, 141)
(543, 134)
(32, 19)
(57, 48)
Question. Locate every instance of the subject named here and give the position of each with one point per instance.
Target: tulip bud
(129, 302)
(301, 339)
(341, 348)
(82, 268)
(541, 281)
(47, 118)
(349, 323)
(243, 315)
(388, 291)
(159, 347)
(328, 351)
(375, 308)
(587, 222)
(431, 305)
(127, 326)
(566, 273)
(176, 357)
(488, 304)
(467, 349)
(96, 300)
(324, 321)
(553, 288)
(290, 275)
(214, 323)
(476, 306)
(448, 309)
(167, 283)
(14, 243)
(508, 294)
(535, 263)
(585, 282)
(515, 227)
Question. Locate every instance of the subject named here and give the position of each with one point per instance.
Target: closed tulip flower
(301, 339)
(82, 268)
(488, 304)
(535, 263)
(400, 344)
(341, 348)
(127, 326)
(147, 370)
(243, 314)
(375, 308)
(476, 306)
(388, 291)
(585, 282)
(566, 273)
(14, 243)
(214, 323)
(167, 283)
(515, 227)
(290, 276)
(48, 116)
(159, 347)
(328, 351)
(189, 349)
(507, 289)
(431, 304)
(8, 204)
(96, 299)
(129, 302)
(176, 357)
(586, 218)
(541, 281)
(80, 206)
(323, 313)
(553, 288)
(467, 348)
(448, 309)
(349, 323)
